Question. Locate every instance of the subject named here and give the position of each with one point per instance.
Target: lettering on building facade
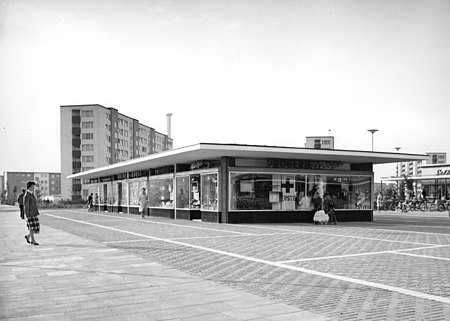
(302, 164)
(137, 174)
(443, 172)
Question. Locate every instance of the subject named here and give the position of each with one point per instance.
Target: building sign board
(436, 171)
(302, 164)
(137, 174)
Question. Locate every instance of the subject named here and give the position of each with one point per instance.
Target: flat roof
(211, 151)
(415, 178)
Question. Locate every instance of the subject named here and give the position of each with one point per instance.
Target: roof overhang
(415, 178)
(211, 151)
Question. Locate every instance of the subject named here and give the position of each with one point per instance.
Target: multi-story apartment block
(47, 184)
(94, 136)
(414, 168)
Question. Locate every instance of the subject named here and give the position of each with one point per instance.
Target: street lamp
(398, 168)
(373, 132)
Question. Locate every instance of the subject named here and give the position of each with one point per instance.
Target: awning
(211, 151)
(415, 178)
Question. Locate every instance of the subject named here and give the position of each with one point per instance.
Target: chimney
(169, 124)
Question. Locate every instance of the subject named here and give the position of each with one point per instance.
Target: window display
(209, 192)
(183, 192)
(109, 194)
(135, 187)
(115, 194)
(161, 193)
(195, 192)
(284, 191)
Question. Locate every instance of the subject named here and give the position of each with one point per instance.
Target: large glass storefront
(292, 191)
(436, 189)
(198, 191)
(160, 192)
(135, 189)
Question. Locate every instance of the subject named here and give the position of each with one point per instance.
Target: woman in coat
(143, 203)
(31, 213)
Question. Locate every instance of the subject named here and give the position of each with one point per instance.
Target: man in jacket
(31, 213)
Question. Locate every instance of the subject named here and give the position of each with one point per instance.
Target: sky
(266, 72)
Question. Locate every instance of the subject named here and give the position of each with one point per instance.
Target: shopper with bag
(31, 213)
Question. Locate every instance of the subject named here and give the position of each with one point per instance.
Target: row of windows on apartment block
(43, 175)
(121, 121)
(123, 152)
(123, 141)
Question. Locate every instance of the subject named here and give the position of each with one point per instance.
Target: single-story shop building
(434, 179)
(231, 183)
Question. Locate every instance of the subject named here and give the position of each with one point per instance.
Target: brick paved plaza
(118, 266)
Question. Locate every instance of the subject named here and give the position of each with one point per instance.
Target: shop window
(160, 193)
(284, 191)
(183, 192)
(209, 192)
(135, 188)
(195, 191)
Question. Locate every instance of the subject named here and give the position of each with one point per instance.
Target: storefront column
(128, 196)
(226, 163)
(174, 191)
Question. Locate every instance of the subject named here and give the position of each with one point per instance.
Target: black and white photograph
(203, 160)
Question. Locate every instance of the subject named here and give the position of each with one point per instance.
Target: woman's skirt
(33, 224)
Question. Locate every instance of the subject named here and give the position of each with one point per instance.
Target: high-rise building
(414, 168)
(47, 185)
(94, 136)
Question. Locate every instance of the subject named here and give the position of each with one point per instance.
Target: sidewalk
(70, 278)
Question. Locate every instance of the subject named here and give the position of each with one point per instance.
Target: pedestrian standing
(20, 201)
(143, 202)
(31, 213)
(329, 206)
(379, 201)
(90, 203)
(96, 202)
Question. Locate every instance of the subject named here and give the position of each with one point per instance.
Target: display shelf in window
(209, 192)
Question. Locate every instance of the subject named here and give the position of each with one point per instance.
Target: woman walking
(143, 203)
(31, 213)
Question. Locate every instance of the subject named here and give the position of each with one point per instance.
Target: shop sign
(302, 164)
(443, 172)
(199, 165)
(162, 170)
(120, 176)
(137, 174)
(93, 180)
(106, 179)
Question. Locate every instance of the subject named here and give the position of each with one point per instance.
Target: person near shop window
(143, 203)
(329, 206)
(379, 201)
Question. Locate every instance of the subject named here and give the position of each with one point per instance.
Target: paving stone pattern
(334, 297)
(68, 277)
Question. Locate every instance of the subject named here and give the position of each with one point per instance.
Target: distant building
(2, 189)
(320, 142)
(93, 136)
(48, 184)
(414, 168)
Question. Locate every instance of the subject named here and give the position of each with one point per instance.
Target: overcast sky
(267, 72)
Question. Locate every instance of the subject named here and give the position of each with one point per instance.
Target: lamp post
(373, 132)
(398, 169)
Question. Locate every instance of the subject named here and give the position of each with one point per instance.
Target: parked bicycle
(389, 204)
(436, 206)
